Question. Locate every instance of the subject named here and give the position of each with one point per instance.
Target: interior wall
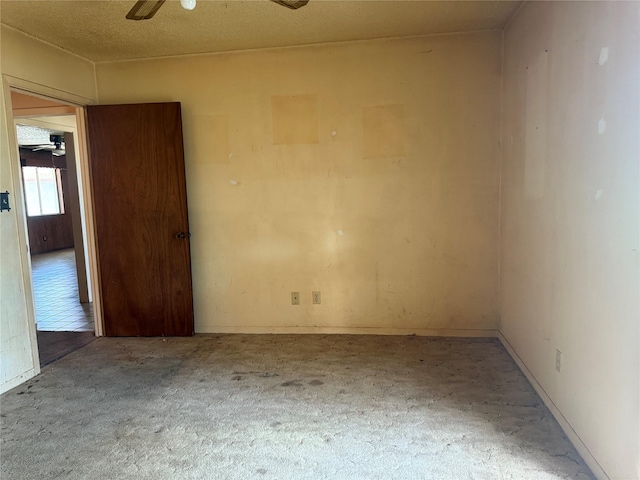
(48, 70)
(367, 171)
(17, 362)
(570, 217)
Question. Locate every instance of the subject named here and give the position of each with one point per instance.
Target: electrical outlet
(558, 361)
(315, 297)
(295, 298)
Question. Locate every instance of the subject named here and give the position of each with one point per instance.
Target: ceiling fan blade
(48, 148)
(144, 9)
(292, 4)
(41, 147)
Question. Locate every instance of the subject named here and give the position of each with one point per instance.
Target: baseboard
(422, 332)
(568, 430)
(15, 381)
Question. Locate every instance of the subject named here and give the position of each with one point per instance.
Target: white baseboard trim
(568, 430)
(422, 332)
(15, 381)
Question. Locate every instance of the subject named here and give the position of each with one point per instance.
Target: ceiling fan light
(188, 4)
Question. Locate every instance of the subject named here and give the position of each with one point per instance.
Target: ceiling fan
(56, 147)
(146, 9)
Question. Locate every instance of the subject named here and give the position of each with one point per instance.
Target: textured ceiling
(98, 30)
(28, 135)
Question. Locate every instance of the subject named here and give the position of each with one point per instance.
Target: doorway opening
(47, 137)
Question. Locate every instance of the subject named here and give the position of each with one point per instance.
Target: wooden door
(140, 206)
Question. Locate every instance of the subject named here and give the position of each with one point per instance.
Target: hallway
(55, 288)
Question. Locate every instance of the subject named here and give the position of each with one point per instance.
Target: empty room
(326, 239)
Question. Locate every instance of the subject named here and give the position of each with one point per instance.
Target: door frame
(10, 84)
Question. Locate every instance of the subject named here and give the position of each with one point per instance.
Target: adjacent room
(323, 239)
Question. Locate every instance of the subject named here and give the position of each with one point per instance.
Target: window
(43, 191)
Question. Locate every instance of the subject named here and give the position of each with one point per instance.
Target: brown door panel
(140, 205)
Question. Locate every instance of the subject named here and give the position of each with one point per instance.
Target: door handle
(182, 235)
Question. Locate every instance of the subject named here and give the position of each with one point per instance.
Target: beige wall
(37, 67)
(16, 356)
(570, 217)
(48, 69)
(368, 171)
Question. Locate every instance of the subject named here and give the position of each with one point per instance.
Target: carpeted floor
(283, 407)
